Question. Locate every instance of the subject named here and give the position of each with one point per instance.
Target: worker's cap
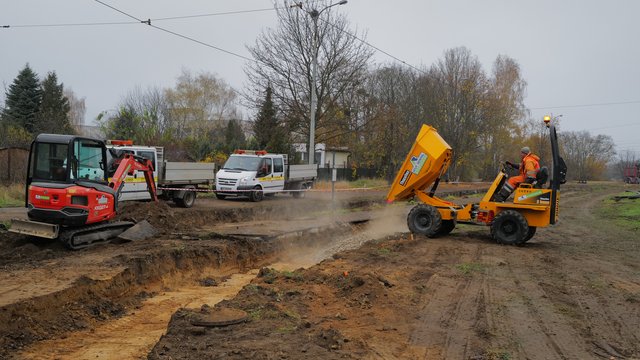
(525, 150)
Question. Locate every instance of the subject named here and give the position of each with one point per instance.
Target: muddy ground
(322, 279)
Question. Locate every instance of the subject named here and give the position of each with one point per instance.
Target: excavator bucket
(34, 228)
(428, 159)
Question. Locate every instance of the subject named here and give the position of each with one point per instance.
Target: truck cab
(251, 173)
(135, 187)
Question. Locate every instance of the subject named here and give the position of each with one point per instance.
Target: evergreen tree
(268, 130)
(234, 136)
(23, 101)
(54, 110)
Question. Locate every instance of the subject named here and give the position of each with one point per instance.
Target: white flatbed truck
(256, 173)
(183, 178)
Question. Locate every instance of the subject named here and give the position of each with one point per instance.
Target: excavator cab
(511, 223)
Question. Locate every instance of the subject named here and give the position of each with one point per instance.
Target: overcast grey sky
(580, 58)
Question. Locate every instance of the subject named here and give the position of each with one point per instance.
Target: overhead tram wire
(376, 48)
(587, 105)
(149, 23)
(214, 14)
(69, 24)
(137, 20)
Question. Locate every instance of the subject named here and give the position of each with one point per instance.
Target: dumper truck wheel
(256, 194)
(447, 227)
(424, 219)
(530, 233)
(510, 228)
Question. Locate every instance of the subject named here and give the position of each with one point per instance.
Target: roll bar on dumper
(511, 223)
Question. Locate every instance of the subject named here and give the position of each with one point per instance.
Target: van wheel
(256, 195)
(424, 219)
(188, 198)
(221, 197)
(510, 228)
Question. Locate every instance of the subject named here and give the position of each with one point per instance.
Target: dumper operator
(527, 171)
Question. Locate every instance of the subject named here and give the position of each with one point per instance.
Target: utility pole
(315, 14)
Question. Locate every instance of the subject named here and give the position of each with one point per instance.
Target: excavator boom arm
(127, 165)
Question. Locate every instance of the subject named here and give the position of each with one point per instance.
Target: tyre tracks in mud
(558, 297)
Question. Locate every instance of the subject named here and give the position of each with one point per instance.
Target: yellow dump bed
(428, 159)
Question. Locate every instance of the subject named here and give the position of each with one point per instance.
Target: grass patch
(497, 354)
(624, 213)
(11, 195)
(470, 268)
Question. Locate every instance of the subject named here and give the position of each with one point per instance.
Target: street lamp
(314, 70)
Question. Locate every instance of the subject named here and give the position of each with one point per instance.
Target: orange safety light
(121, 142)
(547, 120)
(261, 152)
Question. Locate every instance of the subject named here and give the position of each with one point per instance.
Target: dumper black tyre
(530, 233)
(424, 219)
(446, 227)
(510, 228)
(256, 194)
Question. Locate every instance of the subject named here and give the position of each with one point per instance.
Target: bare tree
(77, 109)
(587, 156)
(503, 133)
(457, 88)
(283, 61)
(626, 159)
(198, 103)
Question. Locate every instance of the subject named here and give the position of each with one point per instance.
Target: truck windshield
(244, 163)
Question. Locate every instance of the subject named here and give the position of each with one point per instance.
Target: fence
(13, 165)
(347, 174)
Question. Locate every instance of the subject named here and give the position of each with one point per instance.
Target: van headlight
(244, 180)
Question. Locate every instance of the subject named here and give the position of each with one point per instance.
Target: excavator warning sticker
(405, 177)
(418, 162)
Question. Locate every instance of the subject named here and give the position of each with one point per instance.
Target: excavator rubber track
(86, 236)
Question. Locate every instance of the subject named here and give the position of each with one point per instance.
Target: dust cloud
(382, 223)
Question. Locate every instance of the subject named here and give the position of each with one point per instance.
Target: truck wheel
(424, 219)
(221, 197)
(300, 193)
(256, 195)
(510, 228)
(188, 198)
(447, 227)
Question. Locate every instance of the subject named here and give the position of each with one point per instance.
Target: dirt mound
(159, 214)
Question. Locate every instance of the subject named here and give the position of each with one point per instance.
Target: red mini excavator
(72, 189)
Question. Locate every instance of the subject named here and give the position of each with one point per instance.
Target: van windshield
(243, 163)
